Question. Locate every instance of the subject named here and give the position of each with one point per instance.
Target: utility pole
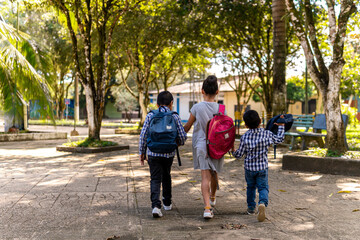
(76, 106)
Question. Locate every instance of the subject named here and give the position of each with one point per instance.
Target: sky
(218, 68)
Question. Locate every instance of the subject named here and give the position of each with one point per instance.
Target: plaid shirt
(145, 131)
(254, 144)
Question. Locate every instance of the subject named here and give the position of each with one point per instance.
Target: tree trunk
(279, 45)
(90, 107)
(143, 107)
(334, 124)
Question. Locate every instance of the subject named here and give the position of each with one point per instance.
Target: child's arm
(280, 134)
(143, 137)
(190, 122)
(241, 150)
(181, 131)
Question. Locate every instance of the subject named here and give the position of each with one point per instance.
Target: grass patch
(88, 142)
(323, 152)
(58, 122)
(81, 123)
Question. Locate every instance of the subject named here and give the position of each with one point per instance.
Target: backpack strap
(222, 109)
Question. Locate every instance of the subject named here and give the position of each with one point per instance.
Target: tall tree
(92, 24)
(327, 77)
(279, 45)
(151, 30)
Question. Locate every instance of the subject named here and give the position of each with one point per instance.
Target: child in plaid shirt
(254, 144)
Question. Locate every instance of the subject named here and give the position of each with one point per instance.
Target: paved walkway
(46, 194)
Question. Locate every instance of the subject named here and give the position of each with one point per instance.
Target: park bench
(317, 123)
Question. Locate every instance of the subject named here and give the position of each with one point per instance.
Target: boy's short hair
(252, 119)
(164, 98)
(210, 85)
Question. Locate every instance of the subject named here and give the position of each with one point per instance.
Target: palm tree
(19, 80)
(279, 45)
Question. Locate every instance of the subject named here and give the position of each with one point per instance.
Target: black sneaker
(251, 211)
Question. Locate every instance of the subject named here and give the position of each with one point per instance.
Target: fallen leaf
(344, 191)
(356, 210)
(199, 228)
(301, 208)
(197, 198)
(231, 226)
(280, 190)
(192, 181)
(330, 194)
(184, 174)
(313, 185)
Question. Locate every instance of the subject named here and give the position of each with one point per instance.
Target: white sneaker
(261, 215)
(212, 203)
(209, 215)
(156, 212)
(168, 208)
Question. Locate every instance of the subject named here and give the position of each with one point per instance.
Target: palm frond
(17, 73)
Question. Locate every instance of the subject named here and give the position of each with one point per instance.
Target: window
(191, 104)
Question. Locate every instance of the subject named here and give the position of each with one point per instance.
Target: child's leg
(213, 184)
(205, 186)
(166, 180)
(263, 187)
(155, 182)
(250, 177)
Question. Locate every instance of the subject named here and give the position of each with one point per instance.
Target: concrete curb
(329, 165)
(92, 149)
(32, 136)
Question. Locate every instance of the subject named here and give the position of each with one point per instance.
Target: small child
(254, 144)
(160, 163)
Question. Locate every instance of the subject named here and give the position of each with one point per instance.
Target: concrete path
(46, 194)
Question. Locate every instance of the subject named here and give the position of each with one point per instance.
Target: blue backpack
(287, 120)
(271, 126)
(162, 132)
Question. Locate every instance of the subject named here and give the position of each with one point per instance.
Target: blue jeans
(259, 180)
(160, 174)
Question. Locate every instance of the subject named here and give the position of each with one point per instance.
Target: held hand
(142, 158)
(281, 124)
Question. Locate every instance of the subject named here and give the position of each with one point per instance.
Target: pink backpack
(220, 134)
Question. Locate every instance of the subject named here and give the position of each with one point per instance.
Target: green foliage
(152, 106)
(89, 142)
(296, 90)
(323, 152)
(350, 78)
(351, 112)
(20, 60)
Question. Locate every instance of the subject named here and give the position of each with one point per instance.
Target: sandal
(208, 213)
